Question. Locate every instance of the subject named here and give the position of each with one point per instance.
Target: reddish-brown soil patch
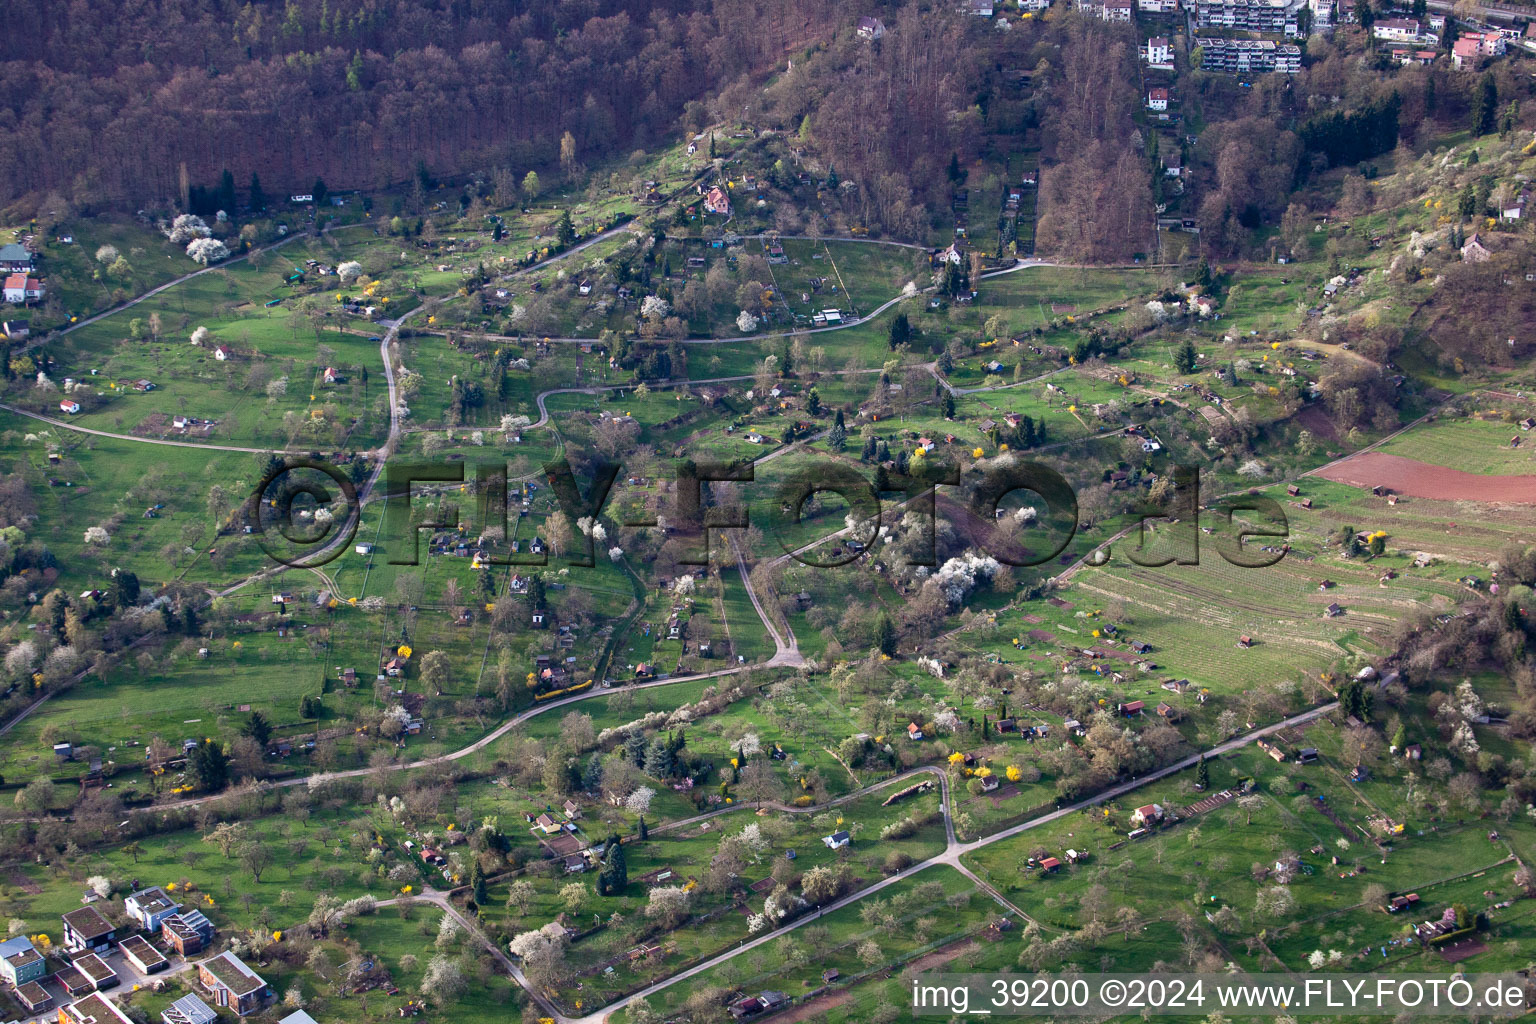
(1421, 480)
(154, 423)
(1314, 418)
(1002, 794)
(1458, 951)
(816, 1008)
(940, 956)
(1117, 655)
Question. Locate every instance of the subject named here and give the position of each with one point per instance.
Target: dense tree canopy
(105, 103)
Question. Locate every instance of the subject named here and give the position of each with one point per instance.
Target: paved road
(906, 776)
(1023, 264)
(1401, 430)
(287, 240)
(1503, 12)
(129, 437)
(949, 858)
(786, 649)
(438, 900)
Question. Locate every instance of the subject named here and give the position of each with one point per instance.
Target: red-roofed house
(1474, 46)
(20, 288)
(716, 201)
(1475, 251)
(1157, 99)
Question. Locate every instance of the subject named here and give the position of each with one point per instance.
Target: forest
(102, 104)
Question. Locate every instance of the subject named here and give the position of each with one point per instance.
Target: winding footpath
(65, 424)
(951, 857)
(183, 279)
(1021, 264)
(787, 655)
(954, 851)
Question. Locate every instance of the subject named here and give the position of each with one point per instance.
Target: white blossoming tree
(639, 801)
(207, 250)
(97, 536)
(187, 227)
(1253, 469)
(746, 323)
(349, 271)
(201, 336)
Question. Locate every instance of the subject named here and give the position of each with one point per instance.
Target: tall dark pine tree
(209, 766)
(477, 885)
(615, 873)
(258, 197)
(226, 196)
(1186, 358)
(125, 588)
(258, 728)
(885, 635)
(1485, 105)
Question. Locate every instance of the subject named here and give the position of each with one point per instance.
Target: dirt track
(1421, 480)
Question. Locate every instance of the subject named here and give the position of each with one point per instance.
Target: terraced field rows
(1475, 446)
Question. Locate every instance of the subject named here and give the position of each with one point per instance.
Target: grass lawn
(1468, 444)
(929, 911)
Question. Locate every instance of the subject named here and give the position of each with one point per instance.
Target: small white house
(149, 907)
(69, 406)
(1157, 99)
(871, 28)
(837, 840)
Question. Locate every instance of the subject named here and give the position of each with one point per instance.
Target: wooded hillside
(102, 103)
